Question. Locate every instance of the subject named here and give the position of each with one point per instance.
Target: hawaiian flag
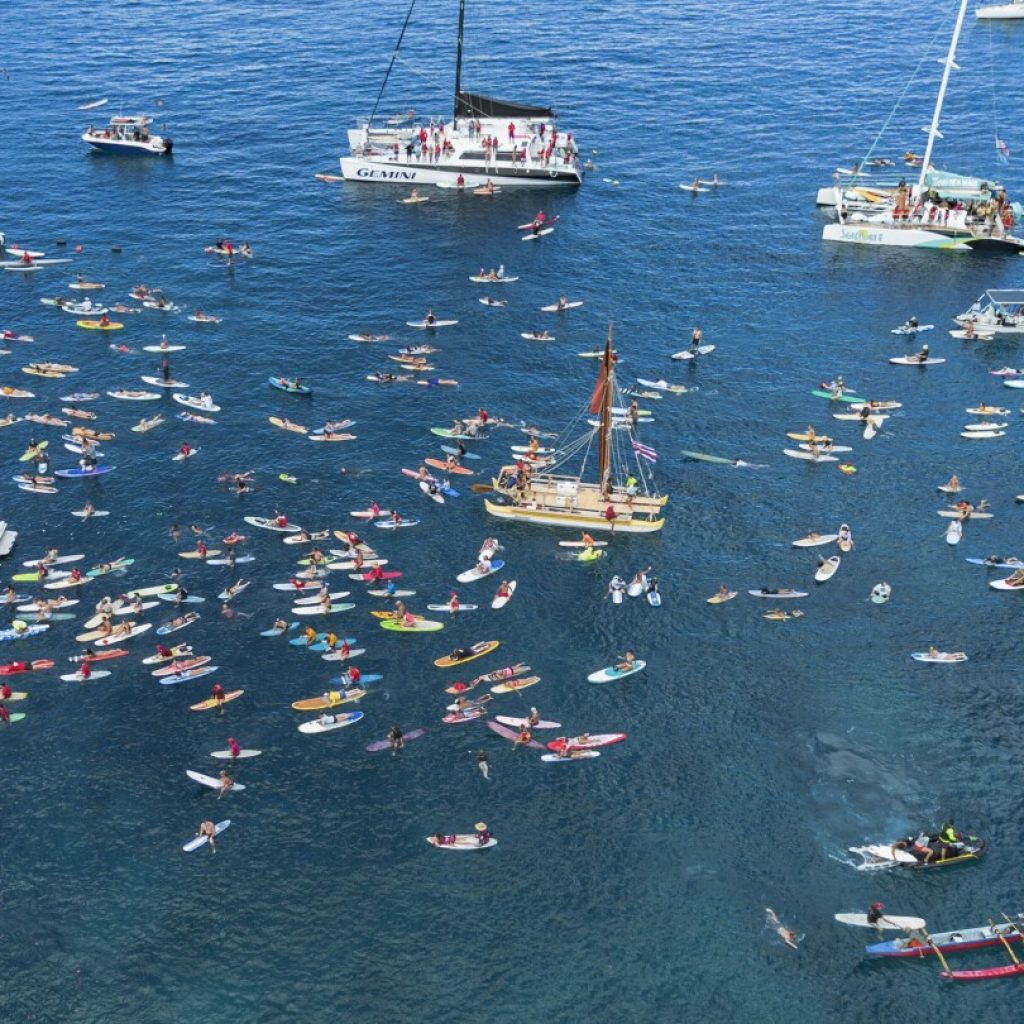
(1003, 150)
(645, 452)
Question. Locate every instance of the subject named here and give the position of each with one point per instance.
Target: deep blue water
(630, 887)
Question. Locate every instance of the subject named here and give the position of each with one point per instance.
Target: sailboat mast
(458, 59)
(604, 443)
(394, 57)
(950, 63)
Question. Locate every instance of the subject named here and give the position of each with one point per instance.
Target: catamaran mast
(394, 57)
(458, 59)
(604, 441)
(948, 66)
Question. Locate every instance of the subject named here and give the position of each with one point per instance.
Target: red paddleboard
(114, 652)
(18, 666)
(438, 464)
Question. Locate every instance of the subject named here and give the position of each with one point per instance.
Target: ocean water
(632, 886)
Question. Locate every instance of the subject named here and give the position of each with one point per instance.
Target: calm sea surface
(630, 887)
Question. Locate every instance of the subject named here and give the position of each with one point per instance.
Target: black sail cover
(470, 104)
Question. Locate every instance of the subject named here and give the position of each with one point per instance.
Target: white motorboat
(1001, 12)
(998, 311)
(915, 217)
(7, 539)
(128, 134)
(487, 140)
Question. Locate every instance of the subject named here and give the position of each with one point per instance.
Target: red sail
(597, 398)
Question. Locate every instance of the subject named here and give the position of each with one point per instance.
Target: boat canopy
(471, 104)
(1006, 296)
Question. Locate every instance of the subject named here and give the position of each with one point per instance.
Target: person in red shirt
(85, 671)
(234, 747)
(217, 693)
(5, 715)
(5, 692)
(376, 573)
(354, 675)
(483, 417)
(511, 130)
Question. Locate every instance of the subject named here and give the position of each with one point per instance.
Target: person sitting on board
(627, 662)
(430, 318)
(326, 719)
(446, 840)
(922, 356)
(226, 782)
(209, 830)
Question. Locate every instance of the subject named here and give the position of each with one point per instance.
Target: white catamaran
(487, 140)
(623, 497)
(930, 214)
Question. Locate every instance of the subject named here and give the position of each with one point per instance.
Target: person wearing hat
(875, 917)
(483, 835)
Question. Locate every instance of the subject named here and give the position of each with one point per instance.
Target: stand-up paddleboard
(159, 382)
(722, 598)
(577, 755)
(820, 393)
(832, 449)
(813, 540)
(203, 840)
(226, 755)
(423, 325)
(702, 350)
(187, 675)
(939, 657)
(449, 608)
(611, 673)
(463, 842)
(952, 513)
(556, 308)
(407, 737)
(827, 570)
(417, 626)
(77, 677)
(981, 435)
(318, 610)
(337, 722)
(889, 921)
(782, 592)
(478, 574)
(270, 524)
(511, 734)
(976, 336)
(210, 782)
(914, 361)
(500, 602)
(210, 703)
(701, 457)
(809, 456)
(531, 235)
(518, 723)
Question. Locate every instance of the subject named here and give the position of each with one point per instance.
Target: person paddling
(208, 830)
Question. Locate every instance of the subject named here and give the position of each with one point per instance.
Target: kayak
(607, 675)
(336, 722)
(199, 841)
(478, 650)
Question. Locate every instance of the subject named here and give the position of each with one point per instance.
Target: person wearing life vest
(950, 841)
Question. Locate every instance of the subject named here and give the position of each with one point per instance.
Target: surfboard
(209, 781)
(199, 841)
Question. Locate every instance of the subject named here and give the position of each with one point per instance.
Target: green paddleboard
(841, 398)
(422, 626)
(18, 716)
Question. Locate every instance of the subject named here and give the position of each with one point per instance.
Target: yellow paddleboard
(515, 684)
(212, 553)
(206, 705)
(319, 704)
(479, 650)
(286, 425)
(97, 325)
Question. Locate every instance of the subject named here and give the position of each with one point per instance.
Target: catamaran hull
(905, 238)
(391, 172)
(574, 520)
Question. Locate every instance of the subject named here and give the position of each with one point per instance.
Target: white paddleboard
(889, 921)
(194, 844)
(210, 781)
